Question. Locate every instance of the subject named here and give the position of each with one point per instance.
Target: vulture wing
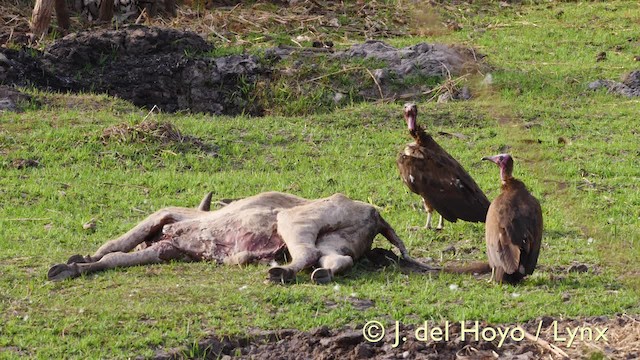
(432, 173)
(514, 230)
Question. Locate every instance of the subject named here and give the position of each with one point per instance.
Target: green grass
(588, 188)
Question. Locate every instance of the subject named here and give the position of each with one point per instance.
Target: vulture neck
(511, 183)
(420, 136)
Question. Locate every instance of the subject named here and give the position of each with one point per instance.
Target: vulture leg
(157, 253)
(429, 211)
(429, 214)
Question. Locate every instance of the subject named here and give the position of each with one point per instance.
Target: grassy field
(576, 150)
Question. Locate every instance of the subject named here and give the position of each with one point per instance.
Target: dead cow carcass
(329, 234)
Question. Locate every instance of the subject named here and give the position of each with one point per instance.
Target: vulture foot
(493, 271)
(63, 271)
(427, 227)
(440, 224)
(321, 276)
(79, 259)
(280, 275)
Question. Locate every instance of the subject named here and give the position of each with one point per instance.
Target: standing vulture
(429, 171)
(514, 227)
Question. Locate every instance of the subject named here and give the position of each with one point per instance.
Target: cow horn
(205, 204)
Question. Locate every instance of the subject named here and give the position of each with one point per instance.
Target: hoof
(79, 259)
(321, 276)
(281, 275)
(63, 271)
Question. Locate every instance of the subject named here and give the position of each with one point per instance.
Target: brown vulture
(514, 227)
(429, 171)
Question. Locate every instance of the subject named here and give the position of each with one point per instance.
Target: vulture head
(410, 115)
(504, 162)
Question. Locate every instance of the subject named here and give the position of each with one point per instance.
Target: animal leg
(330, 265)
(145, 230)
(440, 223)
(302, 255)
(387, 231)
(157, 253)
(299, 228)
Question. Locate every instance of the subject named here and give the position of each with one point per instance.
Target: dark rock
(629, 87)
(11, 98)
(421, 59)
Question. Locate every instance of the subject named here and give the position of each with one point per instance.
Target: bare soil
(615, 337)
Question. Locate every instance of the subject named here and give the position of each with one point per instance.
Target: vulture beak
(410, 114)
(411, 122)
(494, 158)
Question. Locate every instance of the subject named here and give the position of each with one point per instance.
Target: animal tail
(387, 231)
(478, 267)
(205, 204)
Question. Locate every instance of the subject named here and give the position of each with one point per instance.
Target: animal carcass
(328, 234)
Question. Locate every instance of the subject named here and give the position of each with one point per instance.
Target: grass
(543, 56)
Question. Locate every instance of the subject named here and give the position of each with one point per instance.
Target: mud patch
(148, 66)
(174, 71)
(621, 341)
(629, 85)
(24, 68)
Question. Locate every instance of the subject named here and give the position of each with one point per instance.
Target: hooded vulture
(514, 227)
(429, 171)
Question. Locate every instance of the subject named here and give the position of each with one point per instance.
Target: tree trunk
(170, 7)
(41, 17)
(62, 13)
(106, 10)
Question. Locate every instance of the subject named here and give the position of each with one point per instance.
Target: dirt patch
(151, 131)
(25, 163)
(629, 85)
(616, 337)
